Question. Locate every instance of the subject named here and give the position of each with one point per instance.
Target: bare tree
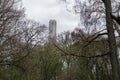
(95, 15)
(18, 36)
(10, 15)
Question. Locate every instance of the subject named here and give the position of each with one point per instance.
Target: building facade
(52, 31)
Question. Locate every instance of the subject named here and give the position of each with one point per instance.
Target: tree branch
(81, 56)
(11, 64)
(89, 42)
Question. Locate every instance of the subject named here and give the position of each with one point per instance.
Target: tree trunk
(112, 41)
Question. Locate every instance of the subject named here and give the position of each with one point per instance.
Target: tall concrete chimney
(52, 31)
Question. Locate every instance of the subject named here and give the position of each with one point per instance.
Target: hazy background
(44, 10)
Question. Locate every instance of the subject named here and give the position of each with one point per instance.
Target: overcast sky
(44, 10)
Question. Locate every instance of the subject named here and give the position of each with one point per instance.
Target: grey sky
(44, 10)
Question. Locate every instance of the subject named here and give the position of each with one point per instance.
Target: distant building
(52, 31)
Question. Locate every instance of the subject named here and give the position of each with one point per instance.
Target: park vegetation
(88, 53)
